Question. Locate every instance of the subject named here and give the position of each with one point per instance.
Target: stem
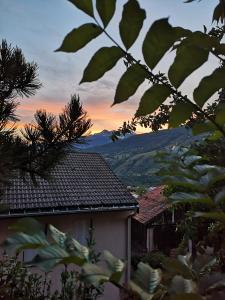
(173, 90)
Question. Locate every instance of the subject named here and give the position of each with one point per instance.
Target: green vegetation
(38, 146)
(194, 177)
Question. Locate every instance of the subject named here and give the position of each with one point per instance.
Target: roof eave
(66, 210)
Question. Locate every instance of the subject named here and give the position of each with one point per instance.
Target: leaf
(220, 196)
(84, 5)
(209, 85)
(106, 10)
(129, 82)
(139, 291)
(131, 23)
(176, 267)
(181, 112)
(58, 236)
(201, 40)
(72, 246)
(215, 215)
(115, 265)
(193, 185)
(95, 275)
(181, 197)
(146, 278)
(219, 13)
(159, 39)
(152, 99)
(216, 135)
(187, 60)
(220, 114)
(75, 248)
(101, 62)
(191, 159)
(180, 285)
(27, 225)
(203, 127)
(215, 175)
(52, 255)
(79, 37)
(205, 168)
(20, 241)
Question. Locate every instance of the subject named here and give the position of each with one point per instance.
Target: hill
(132, 158)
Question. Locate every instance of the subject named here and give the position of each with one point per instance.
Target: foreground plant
(192, 50)
(193, 278)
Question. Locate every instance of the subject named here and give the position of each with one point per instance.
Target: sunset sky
(39, 26)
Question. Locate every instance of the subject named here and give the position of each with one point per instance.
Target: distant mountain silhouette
(98, 139)
(132, 158)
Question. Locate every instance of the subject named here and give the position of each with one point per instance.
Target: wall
(110, 233)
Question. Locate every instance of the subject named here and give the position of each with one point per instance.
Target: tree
(40, 144)
(192, 51)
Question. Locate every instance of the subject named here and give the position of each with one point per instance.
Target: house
(153, 227)
(82, 188)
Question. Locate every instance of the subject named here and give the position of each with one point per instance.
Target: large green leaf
(131, 23)
(176, 267)
(203, 169)
(159, 39)
(129, 82)
(20, 241)
(152, 99)
(115, 265)
(209, 85)
(101, 62)
(72, 246)
(201, 40)
(219, 12)
(191, 159)
(75, 248)
(27, 225)
(184, 198)
(84, 5)
(212, 177)
(181, 112)
(187, 60)
(181, 285)
(52, 255)
(58, 236)
(80, 37)
(146, 280)
(95, 275)
(203, 127)
(106, 10)
(193, 185)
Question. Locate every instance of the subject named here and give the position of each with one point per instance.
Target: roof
(151, 205)
(81, 181)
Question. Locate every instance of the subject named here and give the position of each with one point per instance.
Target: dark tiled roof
(80, 180)
(151, 205)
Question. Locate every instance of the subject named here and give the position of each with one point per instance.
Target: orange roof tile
(151, 205)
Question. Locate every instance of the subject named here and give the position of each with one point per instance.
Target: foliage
(13, 274)
(17, 282)
(186, 275)
(42, 143)
(192, 50)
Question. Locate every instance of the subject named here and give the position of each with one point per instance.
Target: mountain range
(132, 158)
